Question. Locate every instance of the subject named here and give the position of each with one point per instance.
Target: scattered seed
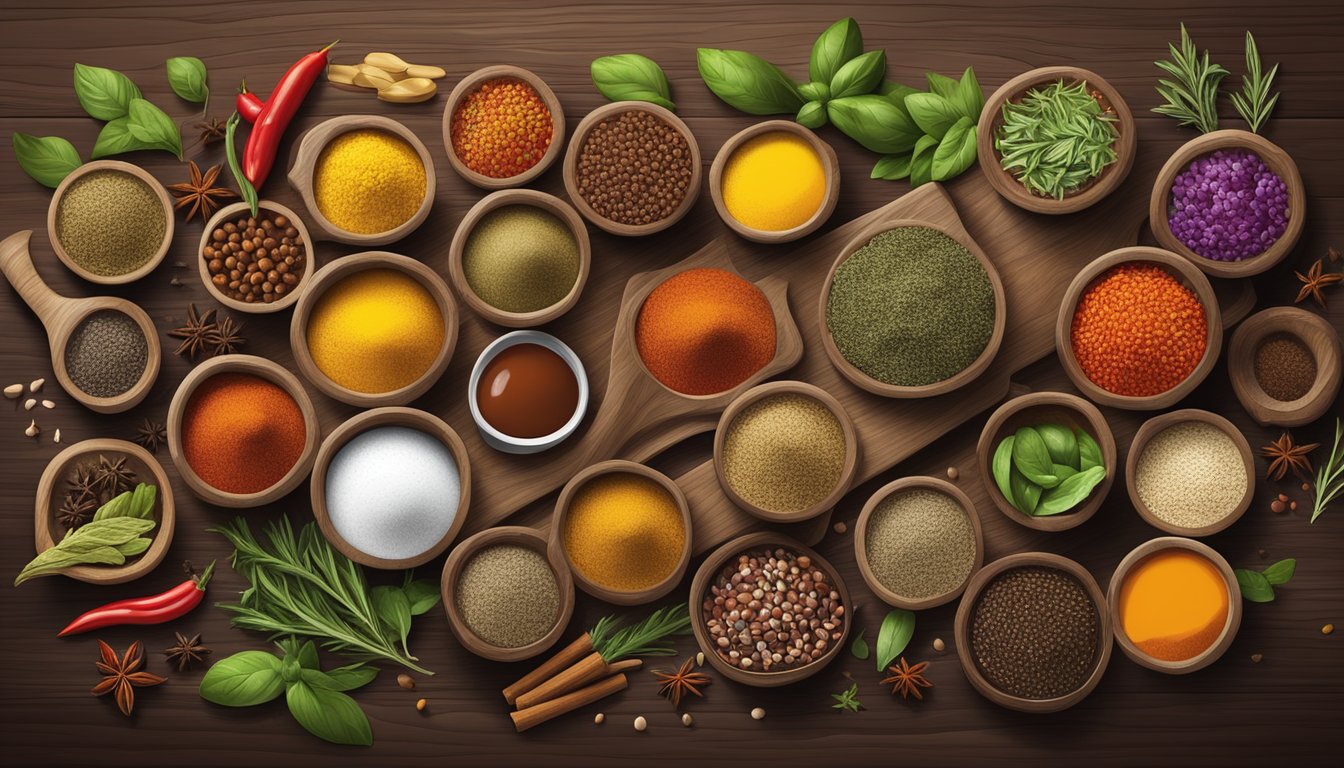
(1277, 507)
(952, 473)
(32, 430)
(48, 404)
(57, 437)
(420, 705)
(1292, 506)
(405, 681)
(686, 720)
(758, 714)
(29, 403)
(641, 723)
(598, 718)
(1261, 553)
(939, 645)
(1327, 629)
(1256, 657)
(36, 385)
(13, 391)
(1306, 486)
(1283, 497)
(700, 659)
(840, 527)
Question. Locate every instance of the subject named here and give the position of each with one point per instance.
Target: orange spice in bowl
(1174, 605)
(242, 433)
(502, 128)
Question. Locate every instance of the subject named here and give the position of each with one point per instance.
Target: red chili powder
(242, 433)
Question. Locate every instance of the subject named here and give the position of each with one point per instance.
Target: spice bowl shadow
(963, 377)
(249, 365)
(1316, 334)
(825, 153)
(1008, 186)
(468, 85)
(970, 666)
(564, 505)
(1230, 627)
(51, 488)
(507, 535)
(885, 593)
(304, 169)
(533, 199)
(1032, 410)
(233, 211)
(720, 559)
(1183, 272)
(389, 417)
(1155, 426)
(502, 441)
(1274, 158)
(160, 194)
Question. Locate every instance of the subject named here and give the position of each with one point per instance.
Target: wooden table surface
(1285, 709)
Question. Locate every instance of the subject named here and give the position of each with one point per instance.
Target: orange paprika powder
(242, 433)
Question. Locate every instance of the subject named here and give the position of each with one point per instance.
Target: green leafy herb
(1255, 103)
(969, 97)
(815, 91)
(875, 122)
(1070, 492)
(859, 647)
(392, 606)
(1191, 95)
(1002, 465)
(632, 77)
(421, 595)
(248, 191)
(896, 92)
(1258, 586)
(1330, 474)
(1280, 572)
(1060, 442)
(114, 139)
(892, 167)
(747, 82)
(859, 75)
(956, 152)
(897, 629)
(837, 46)
(134, 503)
(94, 543)
(1056, 138)
(812, 115)
(847, 700)
(1089, 453)
(932, 113)
(650, 637)
(1032, 458)
(154, 129)
(1028, 470)
(186, 76)
(921, 160)
(47, 159)
(1026, 494)
(105, 94)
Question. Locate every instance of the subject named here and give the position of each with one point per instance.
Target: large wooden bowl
(829, 163)
(1317, 334)
(140, 174)
(467, 86)
(1153, 427)
(231, 212)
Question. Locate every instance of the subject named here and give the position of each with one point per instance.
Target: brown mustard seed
(1277, 507)
(840, 527)
(1256, 657)
(256, 260)
(952, 474)
(634, 168)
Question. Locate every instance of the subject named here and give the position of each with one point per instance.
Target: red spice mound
(241, 433)
(1138, 332)
(502, 128)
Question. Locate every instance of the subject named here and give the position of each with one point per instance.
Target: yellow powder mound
(1174, 605)
(774, 182)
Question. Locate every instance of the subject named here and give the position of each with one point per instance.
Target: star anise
(200, 193)
(76, 511)
(122, 676)
(83, 482)
(187, 651)
(211, 131)
(907, 680)
(227, 336)
(1315, 280)
(685, 680)
(195, 333)
(1283, 456)
(113, 476)
(151, 435)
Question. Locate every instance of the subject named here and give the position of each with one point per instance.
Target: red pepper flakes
(502, 128)
(1138, 332)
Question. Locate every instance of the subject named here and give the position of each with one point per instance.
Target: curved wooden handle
(16, 262)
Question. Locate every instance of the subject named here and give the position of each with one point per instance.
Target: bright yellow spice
(375, 331)
(774, 182)
(624, 532)
(369, 181)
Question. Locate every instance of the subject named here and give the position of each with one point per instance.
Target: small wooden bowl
(1213, 652)
(305, 168)
(507, 443)
(1090, 193)
(1154, 426)
(332, 274)
(968, 374)
(1177, 267)
(883, 592)
(576, 148)
(466, 87)
(504, 198)
(452, 570)
(1278, 161)
(132, 170)
(561, 515)
(384, 417)
(821, 397)
(966, 654)
(51, 489)
(1317, 334)
(230, 212)
(709, 570)
(828, 160)
(1046, 408)
(252, 366)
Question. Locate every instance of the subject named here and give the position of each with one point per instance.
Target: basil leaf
(840, 42)
(956, 152)
(859, 647)
(812, 115)
(328, 714)
(1002, 467)
(104, 93)
(815, 91)
(897, 629)
(921, 163)
(969, 97)
(941, 85)
(1032, 459)
(932, 113)
(896, 92)
(1280, 572)
(1026, 494)
(1060, 443)
(307, 656)
(1064, 472)
(1089, 453)
(1254, 586)
(243, 680)
(892, 167)
(291, 671)
(393, 610)
(47, 159)
(747, 83)
(875, 122)
(421, 595)
(153, 129)
(186, 76)
(115, 139)
(1071, 492)
(859, 75)
(346, 678)
(631, 77)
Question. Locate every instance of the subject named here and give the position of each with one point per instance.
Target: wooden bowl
(821, 397)
(1046, 408)
(828, 160)
(883, 592)
(252, 366)
(230, 212)
(1317, 334)
(1177, 267)
(384, 417)
(1213, 652)
(576, 147)
(452, 569)
(466, 87)
(332, 274)
(1154, 426)
(966, 655)
(1274, 158)
(862, 380)
(709, 570)
(305, 167)
(561, 515)
(507, 443)
(504, 198)
(127, 168)
(1090, 193)
(51, 490)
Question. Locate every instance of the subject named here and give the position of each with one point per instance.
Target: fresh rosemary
(1255, 102)
(1330, 474)
(1192, 94)
(1056, 138)
(647, 638)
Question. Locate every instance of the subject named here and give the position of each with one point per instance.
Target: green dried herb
(1191, 95)
(102, 542)
(1056, 138)
(1255, 103)
(1258, 586)
(847, 700)
(1330, 475)
(897, 629)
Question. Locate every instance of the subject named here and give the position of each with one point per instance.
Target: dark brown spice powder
(1284, 367)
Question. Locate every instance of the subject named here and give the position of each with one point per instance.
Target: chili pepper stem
(329, 47)
(204, 578)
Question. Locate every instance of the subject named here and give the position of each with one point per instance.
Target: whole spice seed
(110, 222)
(405, 681)
(502, 128)
(641, 724)
(624, 532)
(684, 681)
(369, 182)
(521, 258)
(774, 182)
(1228, 205)
(13, 391)
(420, 705)
(1315, 282)
(758, 714)
(241, 433)
(151, 434)
(1284, 367)
(634, 168)
(784, 453)
(199, 194)
(107, 354)
(920, 544)
(508, 595)
(187, 651)
(256, 259)
(1191, 475)
(121, 676)
(1284, 455)
(907, 679)
(209, 333)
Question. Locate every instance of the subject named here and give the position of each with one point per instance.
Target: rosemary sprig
(1254, 103)
(1056, 138)
(1192, 94)
(1330, 474)
(647, 638)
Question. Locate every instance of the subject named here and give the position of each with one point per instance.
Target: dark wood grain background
(1286, 709)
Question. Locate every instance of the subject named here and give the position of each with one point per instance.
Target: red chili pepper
(247, 104)
(269, 123)
(153, 609)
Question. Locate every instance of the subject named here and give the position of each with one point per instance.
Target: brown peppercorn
(634, 168)
(244, 258)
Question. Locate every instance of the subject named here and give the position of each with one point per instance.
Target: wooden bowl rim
(499, 440)
(1325, 345)
(468, 85)
(829, 162)
(59, 340)
(232, 211)
(131, 170)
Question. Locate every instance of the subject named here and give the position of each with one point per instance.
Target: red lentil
(502, 128)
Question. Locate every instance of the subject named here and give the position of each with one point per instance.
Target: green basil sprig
(1047, 469)
(153, 129)
(747, 82)
(1258, 586)
(897, 629)
(839, 44)
(105, 94)
(48, 159)
(187, 78)
(632, 77)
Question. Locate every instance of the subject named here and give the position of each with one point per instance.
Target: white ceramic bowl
(508, 443)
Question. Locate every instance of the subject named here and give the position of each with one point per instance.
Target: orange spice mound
(1138, 332)
(1174, 605)
(242, 433)
(502, 128)
(705, 331)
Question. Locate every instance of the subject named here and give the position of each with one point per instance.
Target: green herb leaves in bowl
(1056, 138)
(1048, 469)
(117, 533)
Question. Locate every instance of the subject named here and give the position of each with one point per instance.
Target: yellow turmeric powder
(369, 181)
(624, 532)
(774, 182)
(1174, 604)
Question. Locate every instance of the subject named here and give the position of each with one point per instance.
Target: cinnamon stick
(531, 717)
(567, 656)
(589, 669)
